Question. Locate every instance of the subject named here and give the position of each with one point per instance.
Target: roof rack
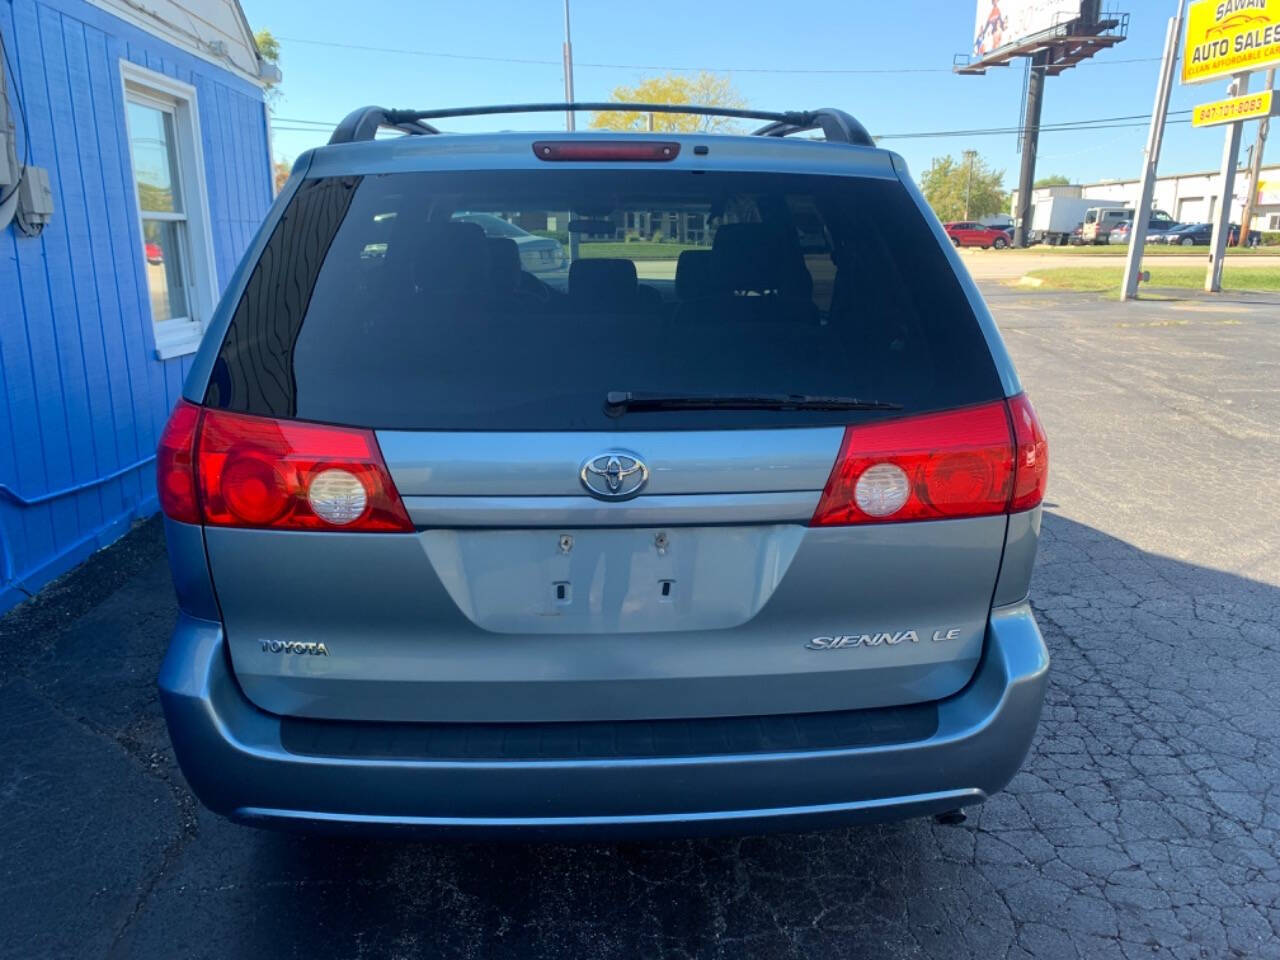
(836, 125)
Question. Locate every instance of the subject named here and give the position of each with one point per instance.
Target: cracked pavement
(1145, 823)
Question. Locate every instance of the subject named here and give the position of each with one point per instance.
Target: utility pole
(568, 69)
(968, 186)
(1227, 179)
(1151, 158)
(1030, 140)
(1255, 167)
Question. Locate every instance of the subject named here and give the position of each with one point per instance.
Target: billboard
(1003, 23)
(1230, 36)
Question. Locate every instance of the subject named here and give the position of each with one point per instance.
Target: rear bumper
(233, 756)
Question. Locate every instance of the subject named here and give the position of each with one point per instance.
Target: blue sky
(321, 83)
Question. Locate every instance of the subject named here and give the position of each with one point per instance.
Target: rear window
(516, 300)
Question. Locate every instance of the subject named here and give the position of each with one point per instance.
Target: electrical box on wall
(35, 200)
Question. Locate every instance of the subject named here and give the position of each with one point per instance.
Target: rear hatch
(612, 465)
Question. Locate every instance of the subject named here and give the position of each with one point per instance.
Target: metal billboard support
(1227, 180)
(1151, 159)
(1068, 41)
(1030, 144)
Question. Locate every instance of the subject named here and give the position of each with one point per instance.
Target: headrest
(759, 258)
(695, 276)
(504, 262)
(606, 280)
(442, 256)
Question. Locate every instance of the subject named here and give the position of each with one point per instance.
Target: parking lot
(1146, 822)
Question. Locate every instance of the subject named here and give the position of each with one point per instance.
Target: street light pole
(568, 69)
(968, 186)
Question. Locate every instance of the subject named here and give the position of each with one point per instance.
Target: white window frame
(180, 335)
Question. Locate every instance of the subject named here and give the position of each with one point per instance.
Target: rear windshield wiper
(618, 402)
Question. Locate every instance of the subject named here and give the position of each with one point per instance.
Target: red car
(153, 252)
(966, 233)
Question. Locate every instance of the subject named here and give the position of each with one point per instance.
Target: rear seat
(444, 259)
(753, 272)
(609, 285)
(510, 279)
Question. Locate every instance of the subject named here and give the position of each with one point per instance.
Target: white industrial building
(1187, 197)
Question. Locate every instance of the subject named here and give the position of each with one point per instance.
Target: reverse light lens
(337, 496)
(882, 490)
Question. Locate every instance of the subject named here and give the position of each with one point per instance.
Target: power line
(529, 61)
(299, 125)
(1064, 126)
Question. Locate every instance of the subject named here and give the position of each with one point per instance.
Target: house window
(176, 254)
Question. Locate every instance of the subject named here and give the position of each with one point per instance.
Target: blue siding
(83, 395)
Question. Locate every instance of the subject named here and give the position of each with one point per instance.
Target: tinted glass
(397, 301)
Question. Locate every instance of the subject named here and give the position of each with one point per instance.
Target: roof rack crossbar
(836, 125)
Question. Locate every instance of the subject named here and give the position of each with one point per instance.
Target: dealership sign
(1004, 23)
(1254, 106)
(1226, 37)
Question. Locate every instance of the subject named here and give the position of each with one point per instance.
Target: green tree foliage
(704, 88)
(1057, 180)
(269, 50)
(964, 189)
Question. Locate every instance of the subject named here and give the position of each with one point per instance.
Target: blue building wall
(84, 397)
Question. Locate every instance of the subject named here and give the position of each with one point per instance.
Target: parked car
(1077, 239)
(1190, 235)
(1201, 235)
(1156, 230)
(537, 254)
(1100, 221)
(702, 552)
(967, 233)
(153, 253)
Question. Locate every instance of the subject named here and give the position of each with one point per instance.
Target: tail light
(961, 463)
(234, 470)
(175, 464)
(1031, 455)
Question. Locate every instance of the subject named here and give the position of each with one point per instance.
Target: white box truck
(1054, 218)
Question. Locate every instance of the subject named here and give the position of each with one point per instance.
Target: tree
(1057, 180)
(703, 88)
(281, 172)
(964, 189)
(269, 51)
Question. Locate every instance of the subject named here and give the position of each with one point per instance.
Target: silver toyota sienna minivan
(597, 483)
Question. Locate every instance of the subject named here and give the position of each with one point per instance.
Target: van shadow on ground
(1145, 822)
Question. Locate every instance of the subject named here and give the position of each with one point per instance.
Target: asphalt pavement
(1145, 824)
